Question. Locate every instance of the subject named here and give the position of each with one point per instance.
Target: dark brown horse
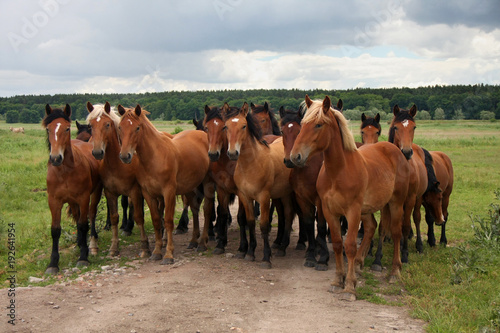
(437, 196)
(353, 183)
(259, 175)
(84, 132)
(265, 119)
(167, 167)
(370, 129)
(73, 178)
(118, 178)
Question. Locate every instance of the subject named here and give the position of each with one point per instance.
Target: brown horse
(265, 119)
(401, 134)
(84, 132)
(167, 167)
(118, 178)
(353, 183)
(73, 178)
(303, 182)
(437, 196)
(259, 175)
(370, 129)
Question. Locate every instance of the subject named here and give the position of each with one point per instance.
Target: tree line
(433, 102)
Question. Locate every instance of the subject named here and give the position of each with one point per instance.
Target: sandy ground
(203, 293)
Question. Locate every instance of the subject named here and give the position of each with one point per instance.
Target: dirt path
(203, 293)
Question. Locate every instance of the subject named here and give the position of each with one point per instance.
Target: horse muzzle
(233, 155)
(288, 163)
(126, 158)
(98, 154)
(407, 152)
(298, 160)
(56, 160)
(214, 156)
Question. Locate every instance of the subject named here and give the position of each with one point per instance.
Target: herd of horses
(308, 165)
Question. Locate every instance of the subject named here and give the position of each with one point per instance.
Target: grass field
(455, 289)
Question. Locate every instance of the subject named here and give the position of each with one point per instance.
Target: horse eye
(137, 129)
(245, 126)
(318, 125)
(362, 133)
(67, 129)
(107, 125)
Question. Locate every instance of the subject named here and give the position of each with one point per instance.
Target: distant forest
(433, 102)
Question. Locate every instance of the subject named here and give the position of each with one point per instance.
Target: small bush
(177, 130)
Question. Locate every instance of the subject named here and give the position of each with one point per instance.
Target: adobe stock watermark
(31, 25)
(372, 28)
(224, 6)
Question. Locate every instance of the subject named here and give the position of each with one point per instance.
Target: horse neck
(112, 155)
(250, 152)
(69, 156)
(335, 155)
(150, 140)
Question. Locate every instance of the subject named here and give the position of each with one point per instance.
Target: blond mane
(99, 112)
(315, 114)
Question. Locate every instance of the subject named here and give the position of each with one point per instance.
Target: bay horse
(83, 132)
(168, 166)
(118, 178)
(353, 183)
(370, 129)
(265, 119)
(437, 196)
(73, 178)
(303, 182)
(259, 175)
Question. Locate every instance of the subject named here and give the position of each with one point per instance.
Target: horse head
(402, 129)
(57, 122)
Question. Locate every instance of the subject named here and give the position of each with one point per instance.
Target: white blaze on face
(235, 120)
(216, 123)
(290, 125)
(57, 129)
(98, 119)
(405, 123)
(130, 121)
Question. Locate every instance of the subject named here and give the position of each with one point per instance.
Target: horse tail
(431, 175)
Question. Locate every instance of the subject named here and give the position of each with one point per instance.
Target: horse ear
(107, 107)
(78, 125)
(377, 118)
(266, 107)
(121, 110)
(207, 109)
(308, 101)
(90, 107)
(67, 110)
(363, 117)
(327, 103)
(225, 109)
(413, 110)
(48, 109)
(395, 109)
(340, 105)
(282, 111)
(138, 110)
(244, 109)
(195, 122)
(252, 105)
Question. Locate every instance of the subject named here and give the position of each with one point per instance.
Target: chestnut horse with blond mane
(73, 178)
(353, 183)
(167, 167)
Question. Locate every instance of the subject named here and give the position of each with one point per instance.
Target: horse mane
(401, 116)
(130, 113)
(369, 121)
(274, 123)
(99, 112)
(213, 113)
(315, 114)
(432, 182)
(253, 128)
(290, 116)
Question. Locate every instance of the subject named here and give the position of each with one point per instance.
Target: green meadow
(454, 289)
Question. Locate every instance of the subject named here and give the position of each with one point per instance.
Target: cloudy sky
(105, 46)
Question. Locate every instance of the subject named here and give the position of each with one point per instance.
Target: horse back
(418, 170)
(443, 169)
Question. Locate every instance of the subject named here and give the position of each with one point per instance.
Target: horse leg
(264, 229)
(82, 231)
(128, 219)
(138, 208)
(417, 217)
(208, 211)
(409, 206)
(169, 200)
(288, 215)
(281, 223)
(308, 217)
(156, 219)
(113, 212)
(95, 197)
(212, 218)
(431, 239)
(242, 223)
(250, 222)
(182, 226)
(108, 219)
(222, 220)
(55, 230)
(443, 241)
(353, 217)
(324, 252)
(194, 204)
(370, 224)
(444, 206)
(124, 203)
(382, 230)
(396, 211)
(337, 245)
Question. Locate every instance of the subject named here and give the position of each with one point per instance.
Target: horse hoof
(93, 252)
(393, 279)
(240, 255)
(82, 263)
(218, 250)
(167, 261)
(321, 267)
(113, 253)
(376, 268)
(275, 246)
(192, 245)
(180, 231)
(126, 233)
(155, 257)
(280, 253)
(52, 270)
(336, 289)
(310, 263)
(266, 265)
(201, 248)
(300, 247)
(249, 257)
(347, 296)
